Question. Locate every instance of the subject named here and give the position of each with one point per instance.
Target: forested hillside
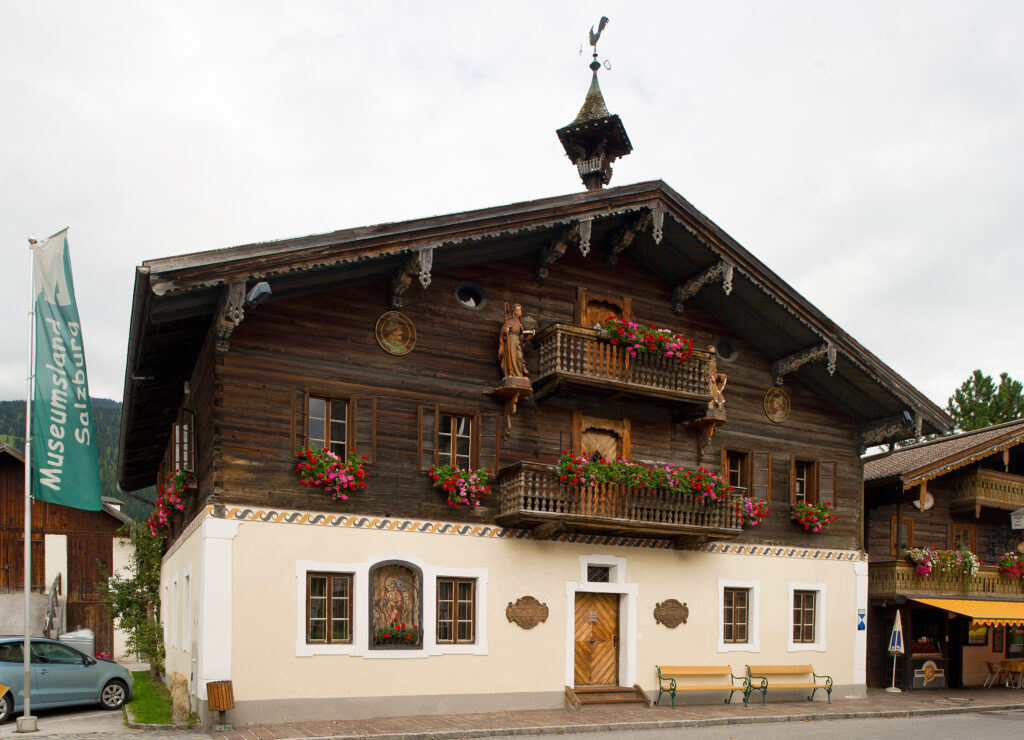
(107, 423)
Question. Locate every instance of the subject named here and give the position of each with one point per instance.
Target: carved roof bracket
(792, 363)
(229, 315)
(623, 238)
(585, 224)
(657, 222)
(554, 251)
(417, 266)
(892, 428)
(719, 271)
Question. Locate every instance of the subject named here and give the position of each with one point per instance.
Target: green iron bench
(668, 683)
(789, 678)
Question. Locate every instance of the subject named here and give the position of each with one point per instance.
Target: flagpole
(27, 723)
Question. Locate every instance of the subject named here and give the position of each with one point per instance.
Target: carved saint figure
(716, 381)
(510, 344)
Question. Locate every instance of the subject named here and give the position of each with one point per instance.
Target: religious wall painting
(396, 606)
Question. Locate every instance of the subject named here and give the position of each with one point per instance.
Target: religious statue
(510, 344)
(716, 382)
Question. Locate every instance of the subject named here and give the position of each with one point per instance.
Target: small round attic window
(726, 349)
(470, 295)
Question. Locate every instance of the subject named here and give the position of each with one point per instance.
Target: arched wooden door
(597, 640)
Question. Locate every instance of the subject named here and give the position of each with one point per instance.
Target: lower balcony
(987, 488)
(899, 578)
(532, 495)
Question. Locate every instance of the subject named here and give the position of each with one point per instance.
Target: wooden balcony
(987, 488)
(574, 355)
(531, 495)
(891, 579)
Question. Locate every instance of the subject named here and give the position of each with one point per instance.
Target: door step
(591, 695)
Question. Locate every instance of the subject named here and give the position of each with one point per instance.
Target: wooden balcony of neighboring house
(887, 580)
(987, 488)
(532, 495)
(581, 357)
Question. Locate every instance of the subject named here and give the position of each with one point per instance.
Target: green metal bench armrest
(828, 679)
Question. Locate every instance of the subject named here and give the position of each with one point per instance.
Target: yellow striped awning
(990, 613)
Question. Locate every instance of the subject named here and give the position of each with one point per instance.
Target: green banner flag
(65, 466)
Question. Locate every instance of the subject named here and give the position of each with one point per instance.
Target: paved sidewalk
(878, 703)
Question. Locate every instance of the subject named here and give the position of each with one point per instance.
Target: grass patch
(151, 701)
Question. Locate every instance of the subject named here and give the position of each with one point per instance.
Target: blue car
(61, 677)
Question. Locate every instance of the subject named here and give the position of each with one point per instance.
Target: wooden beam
(623, 238)
(555, 250)
(892, 428)
(418, 265)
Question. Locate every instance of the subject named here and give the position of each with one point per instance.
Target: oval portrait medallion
(395, 333)
(776, 405)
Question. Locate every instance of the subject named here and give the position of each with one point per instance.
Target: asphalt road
(983, 725)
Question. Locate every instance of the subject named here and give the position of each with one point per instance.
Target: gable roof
(922, 462)
(108, 503)
(177, 299)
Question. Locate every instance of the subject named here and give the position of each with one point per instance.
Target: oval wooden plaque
(671, 613)
(527, 612)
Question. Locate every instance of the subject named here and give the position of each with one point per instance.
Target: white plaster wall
(186, 556)
(266, 593)
(55, 562)
(124, 550)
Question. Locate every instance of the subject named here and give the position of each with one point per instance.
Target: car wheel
(6, 707)
(114, 694)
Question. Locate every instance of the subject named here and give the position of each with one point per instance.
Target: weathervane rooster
(595, 36)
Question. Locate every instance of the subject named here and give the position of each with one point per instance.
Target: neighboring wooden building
(70, 549)
(950, 493)
(387, 338)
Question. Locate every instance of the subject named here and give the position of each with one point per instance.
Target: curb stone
(652, 724)
(129, 719)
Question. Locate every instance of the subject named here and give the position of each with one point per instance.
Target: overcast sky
(870, 153)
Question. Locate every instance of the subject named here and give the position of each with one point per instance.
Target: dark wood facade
(247, 395)
(90, 537)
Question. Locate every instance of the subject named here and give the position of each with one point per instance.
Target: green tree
(979, 402)
(134, 601)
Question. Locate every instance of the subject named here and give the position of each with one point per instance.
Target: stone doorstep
(654, 724)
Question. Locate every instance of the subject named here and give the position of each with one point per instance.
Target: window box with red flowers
(1011, 565)
(170, 501)
(813, 517)
(324, 469)
(578, 470)
(751, 510)
(399, 633)
(467, 487)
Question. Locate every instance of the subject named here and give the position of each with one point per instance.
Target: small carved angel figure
(716, 382)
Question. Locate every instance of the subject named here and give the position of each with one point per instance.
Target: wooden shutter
(488, 456)
(893, 535)
(364, 411)
(827, 482)
(427, 436)
(723, 470)
(300, 402)
(792, 479)
(761, 481)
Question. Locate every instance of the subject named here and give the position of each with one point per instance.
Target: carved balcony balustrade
(888, 580)
(532, 495)
(987, 488)
(575, 355)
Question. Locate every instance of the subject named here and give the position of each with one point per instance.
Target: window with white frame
(807, 617)
(738, 615)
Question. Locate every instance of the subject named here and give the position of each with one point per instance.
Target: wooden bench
(667, 683)
(790, 675)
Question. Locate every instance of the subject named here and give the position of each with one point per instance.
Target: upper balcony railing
(533, 495)
(890, 579)
(585, 356)
(987, 488)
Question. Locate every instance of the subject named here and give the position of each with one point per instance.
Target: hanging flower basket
(814, 517)
(324, 469)
(462, 486)
(170, 500)
(751, 510)
(640, 339)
